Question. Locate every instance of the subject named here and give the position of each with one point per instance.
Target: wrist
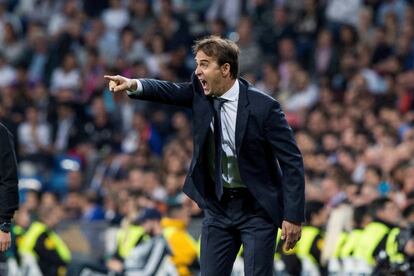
(132, 85)
(5, 227)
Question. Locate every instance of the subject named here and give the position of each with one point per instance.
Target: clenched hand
(5, 241)
(291, 233)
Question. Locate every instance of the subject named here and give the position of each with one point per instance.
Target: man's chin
(207, 92)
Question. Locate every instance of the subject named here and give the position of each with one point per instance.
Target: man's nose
(198, 71)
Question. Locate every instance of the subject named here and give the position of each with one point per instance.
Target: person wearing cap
(9, 197)
(42, 245)
(129, 235)
(151, 257)
(375, 243)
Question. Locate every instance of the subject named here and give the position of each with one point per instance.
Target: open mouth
(204, 84)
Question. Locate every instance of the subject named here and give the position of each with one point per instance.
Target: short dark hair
(408, 210)
(224, 50)
(378, 205)
(312, 207)
(359, 213)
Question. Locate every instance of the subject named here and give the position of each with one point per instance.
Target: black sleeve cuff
(5, 218)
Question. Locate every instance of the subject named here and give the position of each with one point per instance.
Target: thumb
(121, 87)
(283, 235)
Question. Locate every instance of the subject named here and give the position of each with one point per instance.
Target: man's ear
(225, 69)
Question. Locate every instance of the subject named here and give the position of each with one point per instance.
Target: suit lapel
(242, 115)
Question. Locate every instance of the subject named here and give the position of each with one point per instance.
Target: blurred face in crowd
(368, 194)
(115, 4)
(217, 27)
(211, 75)
(151, 182)
(140, 7)
(9, 33)
(306, 142)
(271, 75)
(72, 205)
(408, 180)
(139, 122)
(32, 201)
(280, 16)
(330, 188)
(32, 115)
(330, 142)
(49, 200)
(372, 177)
(324, 39)
(136, 179)
(64, 112)
(22, 217)
(245, 29)
(99, 109)
(151, 226)
(410, 218)
(286, 49)
(51, 216)
(180, 121)
(74, 180)
(69, 62)
(319, 219)
(390, 213)
(301, 80)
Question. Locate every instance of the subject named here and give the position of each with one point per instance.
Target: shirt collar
(233, 93)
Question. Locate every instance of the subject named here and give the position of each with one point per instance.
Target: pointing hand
(120, 84)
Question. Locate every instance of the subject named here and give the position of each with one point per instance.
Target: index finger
(3, 246)
(289, 244)
(108, 77)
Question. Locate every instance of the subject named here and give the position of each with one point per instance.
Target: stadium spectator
(357, 57)
(42, 246)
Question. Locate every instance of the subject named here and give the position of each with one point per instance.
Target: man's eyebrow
(202, 60)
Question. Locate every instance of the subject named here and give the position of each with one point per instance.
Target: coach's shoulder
(260, 98)
(4, 131)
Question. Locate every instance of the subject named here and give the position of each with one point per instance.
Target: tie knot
(218, 103)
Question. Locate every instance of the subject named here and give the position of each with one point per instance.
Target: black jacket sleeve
(9, 196)
(179, 94)
(281, 138)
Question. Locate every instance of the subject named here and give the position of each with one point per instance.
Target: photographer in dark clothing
(9, 197)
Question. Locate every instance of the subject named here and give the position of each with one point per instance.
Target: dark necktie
(218, 140)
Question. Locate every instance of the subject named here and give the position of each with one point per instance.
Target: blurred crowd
(343, 72)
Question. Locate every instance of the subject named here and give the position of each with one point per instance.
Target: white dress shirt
(230, 168)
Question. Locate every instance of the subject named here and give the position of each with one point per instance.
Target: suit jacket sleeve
(180, 94)
(9, 197)
(280, 136)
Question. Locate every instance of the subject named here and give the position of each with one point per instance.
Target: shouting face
(210, 74)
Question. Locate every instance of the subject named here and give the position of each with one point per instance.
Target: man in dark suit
(9, 197)
(247, 172)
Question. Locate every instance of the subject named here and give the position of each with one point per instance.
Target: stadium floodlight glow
(30, 184)
(70, 165)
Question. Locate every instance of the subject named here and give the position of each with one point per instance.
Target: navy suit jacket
(269, 160)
